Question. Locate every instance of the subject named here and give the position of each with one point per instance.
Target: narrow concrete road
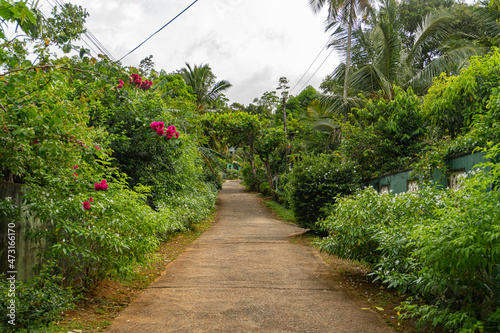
(243, 275)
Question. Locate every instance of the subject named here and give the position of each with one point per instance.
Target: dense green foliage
(106, 177)
(38, 302)
(441, 245)
(385, 135)
(315, 183)
(454, 103)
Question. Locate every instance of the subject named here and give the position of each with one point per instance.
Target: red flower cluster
(102, 186)
(171, 132)
(139, 82)
(121, 83)
(86, 204)
(159, 127)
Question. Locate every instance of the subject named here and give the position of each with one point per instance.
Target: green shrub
(37, 302)
(384, 135)
(251, 181)
(316, 183)
(179, 211)
(284, 191)
(453, 103)
(232, 174)
(443, 246)
(214, 179)
(265, 189)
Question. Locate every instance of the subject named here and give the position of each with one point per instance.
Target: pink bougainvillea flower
(91, 199)
(75, 167)
(97, 147)
(176, 135)
(121, 83)
(157, 125)
(102, 186)
(160, 131)
(86, 205)
(145, 85)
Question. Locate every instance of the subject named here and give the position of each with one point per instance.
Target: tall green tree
(205, 88)
(344, 12)
(383, 60)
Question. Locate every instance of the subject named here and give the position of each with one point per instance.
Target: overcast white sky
(251, 43)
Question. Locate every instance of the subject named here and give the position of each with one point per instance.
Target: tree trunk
(348, 52)
(254, 170)
(269, 175)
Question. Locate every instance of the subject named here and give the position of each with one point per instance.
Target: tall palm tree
(387, 62)
(345, 12)
(202, 81)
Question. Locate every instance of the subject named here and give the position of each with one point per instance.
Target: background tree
(343, 12)
(146, 66)
(206, 90)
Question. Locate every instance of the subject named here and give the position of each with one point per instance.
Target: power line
(317, 69)
(93, 39)
(159, 29)
(322, 49)
(88, 34)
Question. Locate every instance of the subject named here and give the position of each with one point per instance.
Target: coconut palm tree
(205, 88)
(343, 12)
(387, 62)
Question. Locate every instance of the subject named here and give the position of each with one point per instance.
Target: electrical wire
(159, 29)
(317, 69)
(322, 49)
(91, 37)
(88, 34)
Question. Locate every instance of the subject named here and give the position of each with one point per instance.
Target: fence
(23, 259)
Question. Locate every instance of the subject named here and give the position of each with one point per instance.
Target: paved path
(243, 275)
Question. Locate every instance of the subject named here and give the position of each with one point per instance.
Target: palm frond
(455, 57)
(212, 157)
(370, 79)
(435, 25)
(336, 106)
(218, 89)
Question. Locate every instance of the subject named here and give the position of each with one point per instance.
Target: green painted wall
(398, 182)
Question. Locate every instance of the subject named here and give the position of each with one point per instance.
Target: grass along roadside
(98, 308)
(353, 278)
(280, 211)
